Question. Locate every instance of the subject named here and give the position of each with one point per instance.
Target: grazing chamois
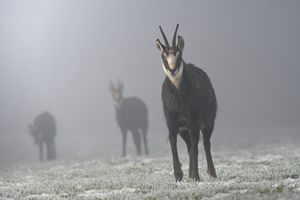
(189, 104)
(43, 130)
(132, 115)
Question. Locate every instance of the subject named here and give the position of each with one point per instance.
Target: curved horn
(164, 36)
(174, 36)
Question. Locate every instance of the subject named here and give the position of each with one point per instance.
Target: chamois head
(32, 129)
(171, 55)
(117, 92)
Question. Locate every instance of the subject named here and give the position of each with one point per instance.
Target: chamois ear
(180, 43)
(159, 45)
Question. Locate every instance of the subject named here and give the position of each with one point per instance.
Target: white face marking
(118, 105)
(171, 61)
(117, 98)
(176, 78)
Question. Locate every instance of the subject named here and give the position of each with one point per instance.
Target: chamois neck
(176, 79)
(118, 104)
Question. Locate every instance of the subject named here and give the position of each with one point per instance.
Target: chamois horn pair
(165, 38)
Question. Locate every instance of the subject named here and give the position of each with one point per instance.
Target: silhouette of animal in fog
(43, 131)
(189, 104)
(132, 115)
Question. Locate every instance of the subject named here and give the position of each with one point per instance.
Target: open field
(245, 173)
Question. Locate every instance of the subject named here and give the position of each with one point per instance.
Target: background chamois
(43, 131)
(189, 104)
(132, 115)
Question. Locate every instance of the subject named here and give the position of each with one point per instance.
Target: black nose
(173, 72)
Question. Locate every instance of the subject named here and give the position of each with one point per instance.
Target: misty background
(61, 55)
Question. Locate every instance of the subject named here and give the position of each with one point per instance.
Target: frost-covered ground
(244, 173)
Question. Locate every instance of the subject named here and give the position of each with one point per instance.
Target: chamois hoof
(178, 175)
(212, 173)
(195, 177)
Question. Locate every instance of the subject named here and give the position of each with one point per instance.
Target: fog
(61, 55)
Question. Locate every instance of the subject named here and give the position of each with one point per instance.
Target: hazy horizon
(61, 55)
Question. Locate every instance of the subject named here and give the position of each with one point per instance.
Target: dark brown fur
(131, 115)
(43, 132)
(189, 109)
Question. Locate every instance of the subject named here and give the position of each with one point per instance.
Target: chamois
(189, 104)
(131, 114)
(43, 130)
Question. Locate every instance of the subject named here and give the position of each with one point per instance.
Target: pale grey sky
(60, 56)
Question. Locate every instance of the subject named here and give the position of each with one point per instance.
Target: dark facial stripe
(166, 64)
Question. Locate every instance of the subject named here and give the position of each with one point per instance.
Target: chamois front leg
(176, 163)
(41, 150)
(187, 138)
(137, 140)
(195, 135)
(124, 138)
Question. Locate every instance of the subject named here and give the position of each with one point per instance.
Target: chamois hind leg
(137, 140)
(53, 149)
(51, 153)
(185, 135)
(207, 131)
(48, 150)
(144, 133)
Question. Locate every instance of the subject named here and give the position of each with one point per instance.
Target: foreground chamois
(43, 131)
(189, 104)
(132, 115)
